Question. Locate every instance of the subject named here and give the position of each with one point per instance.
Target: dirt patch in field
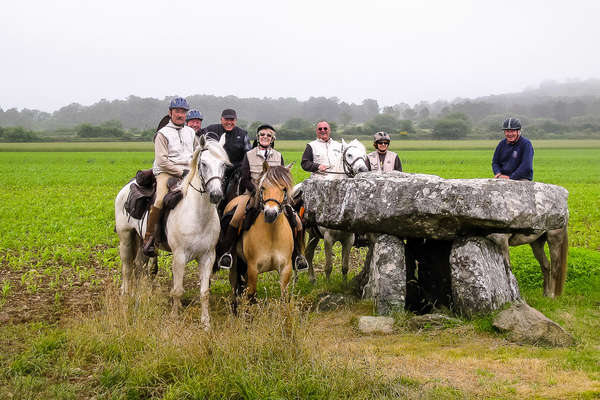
(46, 301)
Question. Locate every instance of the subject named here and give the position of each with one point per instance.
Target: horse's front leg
(284, 279)
(205, 264)
(313, 241)
(328, 248)
(346, 248)
(252, 274)
(126, 252)
(178, 268)
(537, 247)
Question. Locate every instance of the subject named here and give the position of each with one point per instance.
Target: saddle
(142, 193)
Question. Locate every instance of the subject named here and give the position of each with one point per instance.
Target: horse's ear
(202, 141)
(343, 143)
(289, 166)
(265, 166)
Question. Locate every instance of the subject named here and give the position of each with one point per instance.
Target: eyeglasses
(386, 143)
(265, 134)
(321, 128)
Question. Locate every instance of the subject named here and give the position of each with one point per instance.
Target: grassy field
(63, 334)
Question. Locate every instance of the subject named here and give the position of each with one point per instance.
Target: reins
(202, 181)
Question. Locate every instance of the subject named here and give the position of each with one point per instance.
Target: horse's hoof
(301, 263)
(225, 261)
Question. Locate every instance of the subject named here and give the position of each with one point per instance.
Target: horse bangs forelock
(217, 151)
(278, 176)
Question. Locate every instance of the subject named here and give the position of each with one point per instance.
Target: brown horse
(268, 244)
(555, 269)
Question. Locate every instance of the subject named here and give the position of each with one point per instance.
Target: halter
(204, 182)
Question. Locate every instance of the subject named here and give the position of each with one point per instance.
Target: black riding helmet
(260, 128)
(512, 124)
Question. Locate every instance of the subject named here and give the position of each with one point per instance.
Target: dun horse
(352, 161)
(555, 269)
(268, 244)
(192, 227)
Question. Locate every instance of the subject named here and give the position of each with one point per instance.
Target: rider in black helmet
(513, 158)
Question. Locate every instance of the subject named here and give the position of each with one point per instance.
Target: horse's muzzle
(216, 196)
(271, 215)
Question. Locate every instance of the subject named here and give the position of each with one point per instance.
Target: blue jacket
(514, 159)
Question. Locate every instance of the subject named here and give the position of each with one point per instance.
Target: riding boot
(228, 242)
(149, 248)
(300, 262)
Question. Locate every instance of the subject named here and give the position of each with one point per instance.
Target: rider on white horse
(321, 154)
(382, 159)
(174, 146)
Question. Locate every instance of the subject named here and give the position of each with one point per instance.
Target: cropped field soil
(64, 333)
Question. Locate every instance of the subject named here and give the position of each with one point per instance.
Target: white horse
(553, 270)
(352, 161)
(192, 227)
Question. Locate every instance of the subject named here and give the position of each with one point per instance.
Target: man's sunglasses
(323, 128)
(381, 142)
(265, 134)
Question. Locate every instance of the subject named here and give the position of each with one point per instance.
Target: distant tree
(296, 128)
(345, 118)
(453, 126)
(389, 123)
(409, 113)
(423, 113)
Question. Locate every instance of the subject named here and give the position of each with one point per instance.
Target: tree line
(569, 110)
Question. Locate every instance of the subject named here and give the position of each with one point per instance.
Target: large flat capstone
(419, 205)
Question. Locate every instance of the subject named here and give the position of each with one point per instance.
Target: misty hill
(550, 109)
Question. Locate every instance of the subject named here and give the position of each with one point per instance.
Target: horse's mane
(277, 176)
(213, 148)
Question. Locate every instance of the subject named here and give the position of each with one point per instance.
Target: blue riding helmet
(179, 102)
(194, 114)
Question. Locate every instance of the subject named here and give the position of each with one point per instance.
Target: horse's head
(209, 164)
(354, 157)
(275, 185)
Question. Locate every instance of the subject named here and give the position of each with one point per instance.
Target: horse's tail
(562, 272)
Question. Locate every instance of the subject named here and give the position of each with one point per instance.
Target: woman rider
(250, 170)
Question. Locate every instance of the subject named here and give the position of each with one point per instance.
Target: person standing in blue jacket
(513, 158)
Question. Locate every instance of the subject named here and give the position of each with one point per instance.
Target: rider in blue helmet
(174, 145)
(194, 120)
(513, 158)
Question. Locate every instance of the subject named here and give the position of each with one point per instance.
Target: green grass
(57, 233)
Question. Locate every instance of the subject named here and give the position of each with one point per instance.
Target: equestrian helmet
(179, 102)
(266, 126)
(512, 124)
(194, 114)
(381, 136)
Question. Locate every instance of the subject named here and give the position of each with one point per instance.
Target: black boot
(149, 248)
(228, 242)
(300, 262)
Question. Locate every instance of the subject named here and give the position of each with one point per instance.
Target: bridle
(204, 182)
(280, 204)
(348, 167)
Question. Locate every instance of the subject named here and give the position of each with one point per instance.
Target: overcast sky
(58, 52)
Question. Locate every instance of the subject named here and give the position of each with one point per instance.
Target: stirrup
(226, 261)
(300, 263)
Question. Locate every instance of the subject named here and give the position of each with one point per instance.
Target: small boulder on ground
(432, 321)
(331, 302)
(376, 324)
(527, 325)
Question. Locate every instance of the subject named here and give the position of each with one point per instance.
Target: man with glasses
(382, 159)
(250, 170)
(322, 153)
